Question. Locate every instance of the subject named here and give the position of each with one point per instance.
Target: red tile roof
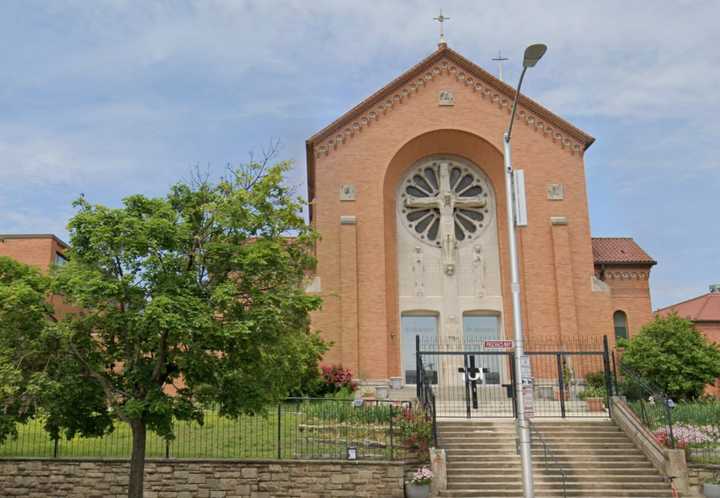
(705, 308)
(619, 250)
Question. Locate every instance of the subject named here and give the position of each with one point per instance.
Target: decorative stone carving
(419, 271)
(446, 98)
(479, 270)
(445, 203)
(556, 192)
(347, 193)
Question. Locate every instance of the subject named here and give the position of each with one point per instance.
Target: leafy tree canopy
(186, 300)
(674, 356)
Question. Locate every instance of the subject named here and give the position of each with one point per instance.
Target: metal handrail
(548, 453)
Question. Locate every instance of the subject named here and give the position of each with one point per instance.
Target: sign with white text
(498, 344)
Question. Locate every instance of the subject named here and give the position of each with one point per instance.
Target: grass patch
(302, 430)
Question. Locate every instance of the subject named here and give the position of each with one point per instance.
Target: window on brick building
(620, 322)
(60, 259)
(424, 325)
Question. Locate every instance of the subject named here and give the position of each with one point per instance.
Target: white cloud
(118, 96)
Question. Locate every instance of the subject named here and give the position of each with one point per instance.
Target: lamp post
(532, 55)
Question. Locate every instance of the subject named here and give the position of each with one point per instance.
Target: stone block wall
(697, 475)
(202, 479)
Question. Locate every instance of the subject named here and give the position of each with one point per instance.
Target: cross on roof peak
(441, 19)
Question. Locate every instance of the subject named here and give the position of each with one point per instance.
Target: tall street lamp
(532, 55)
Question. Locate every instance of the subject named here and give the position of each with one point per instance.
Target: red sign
(499, 344)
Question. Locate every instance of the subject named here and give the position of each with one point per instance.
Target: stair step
(517, 493)
(598, 459)
(591, 467)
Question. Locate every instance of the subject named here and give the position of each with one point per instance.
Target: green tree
(674, 356)
(37, 375)
(199, 293)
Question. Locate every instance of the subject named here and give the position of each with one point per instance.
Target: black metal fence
(691, 425)
(333, 429)
(471, 380)
(426, 397)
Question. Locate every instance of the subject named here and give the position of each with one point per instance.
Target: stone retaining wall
(202, 479)
(696, 476)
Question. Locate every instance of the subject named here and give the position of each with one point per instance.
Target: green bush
(673, 355)
(593, 392)
(415, 429)
(595, 379)
(341, 411)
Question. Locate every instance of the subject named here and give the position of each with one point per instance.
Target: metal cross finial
(500, 59)
(441, 19)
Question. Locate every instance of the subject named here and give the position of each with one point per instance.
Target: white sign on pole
(526, 380)
(521, 219)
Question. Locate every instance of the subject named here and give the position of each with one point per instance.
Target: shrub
(336, 378)
(415, 429)
(593, 392)
(328, 381)
(595, 379)
(673, 355)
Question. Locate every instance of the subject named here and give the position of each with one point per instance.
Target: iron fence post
(608, 377)
(561, 383)
(615, 376)
(392, 441)
(434, 421)
(668, 417)
(466, 366)
(56, 443)
(417, 366)
(279, 424)
(167, 448)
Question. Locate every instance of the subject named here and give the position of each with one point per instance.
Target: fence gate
(474, 382)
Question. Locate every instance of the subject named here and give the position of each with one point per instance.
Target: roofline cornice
(17, 236)
(422, 74)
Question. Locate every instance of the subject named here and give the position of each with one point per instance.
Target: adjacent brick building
(40, 251)
(625, 268)
(407, 191)
(703, 311)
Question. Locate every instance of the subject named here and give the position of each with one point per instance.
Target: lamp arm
(514, 107)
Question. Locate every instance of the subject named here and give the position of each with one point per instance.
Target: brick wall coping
(708, 466)
(219, 461)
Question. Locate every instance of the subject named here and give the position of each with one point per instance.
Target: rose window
(445, 196)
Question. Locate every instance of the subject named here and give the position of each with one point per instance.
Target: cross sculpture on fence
(471, 375)
(446, 201)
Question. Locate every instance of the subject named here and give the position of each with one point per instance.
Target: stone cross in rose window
(446, 201)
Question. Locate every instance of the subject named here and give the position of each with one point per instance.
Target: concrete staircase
(599, 459)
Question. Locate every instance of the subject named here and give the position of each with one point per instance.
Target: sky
(109, 98)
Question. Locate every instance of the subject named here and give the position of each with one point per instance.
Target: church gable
(444, 63)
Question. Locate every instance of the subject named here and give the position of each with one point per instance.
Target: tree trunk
(137, 459)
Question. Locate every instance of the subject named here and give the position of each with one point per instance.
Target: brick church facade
(407, 192)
